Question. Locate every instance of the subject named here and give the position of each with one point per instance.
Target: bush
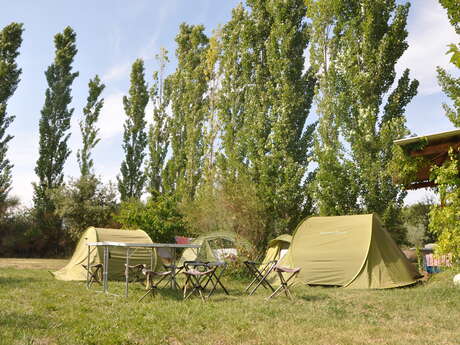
(416, 219)
(85, 202)
(232, 207)
(158, 217)
(19, 236)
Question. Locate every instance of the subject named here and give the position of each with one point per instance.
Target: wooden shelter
(434, 148)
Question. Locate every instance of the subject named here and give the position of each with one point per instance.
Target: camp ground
(230, 172)
(343, 251)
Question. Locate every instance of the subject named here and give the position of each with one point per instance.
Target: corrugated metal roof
(431, 138)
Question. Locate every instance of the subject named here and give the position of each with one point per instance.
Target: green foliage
(264, 103)
(10, 42)
(403, 167)
(455, 51)
(85, 202)
(186, 89)
(53, 127)
(453, 11)
(212, 124)
(232, 206)
(416, 219)
(158, 217)
(444, 218)
(18, 237)
(451, 87)
(158, 138)
(132, 180)
(360, 113)
(88, 127)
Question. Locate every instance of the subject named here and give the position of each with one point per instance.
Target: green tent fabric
(277, 247)
(214, 246)
(349, 251)
(117, 255)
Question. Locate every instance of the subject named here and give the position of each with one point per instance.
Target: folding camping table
(130, 249)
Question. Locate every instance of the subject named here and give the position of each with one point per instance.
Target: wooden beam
(420, 184)
(436, 149)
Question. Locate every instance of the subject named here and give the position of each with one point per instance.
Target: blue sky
(112, 34)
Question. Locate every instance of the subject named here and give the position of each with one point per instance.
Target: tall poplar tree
(265, 100)
(10, 42)
(444, 217)
(158, 138)
(53, 127)
(88, 127)
(186, 89)
(132, 179)
(211, 123)
(450, 84)
(357, 95)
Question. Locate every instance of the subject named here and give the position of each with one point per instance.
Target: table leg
(106, 266)
(151, 258)
(173, 273)
(127, 272)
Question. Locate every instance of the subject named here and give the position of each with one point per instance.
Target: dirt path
(39, 264)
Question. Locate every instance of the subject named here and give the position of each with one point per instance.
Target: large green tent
(215, 246)
(349, 251)
(117, 255)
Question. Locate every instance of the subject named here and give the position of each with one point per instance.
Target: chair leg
(151, 286)
(276, 292)
(93, 275)
(283, 287)
(150, 291)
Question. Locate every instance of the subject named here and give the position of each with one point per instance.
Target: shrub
(85, 202)
(232, 207)
(19, 236)
(158, 217)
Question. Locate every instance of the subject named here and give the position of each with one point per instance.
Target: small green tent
(117, 255)
(349, 251)
(215, 246)
(277, 248)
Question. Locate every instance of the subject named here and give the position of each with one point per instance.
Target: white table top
(143, 245)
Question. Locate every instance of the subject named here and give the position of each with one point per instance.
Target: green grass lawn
(37, 309)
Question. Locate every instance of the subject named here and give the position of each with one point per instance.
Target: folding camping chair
(152, 285)
(260, 275)
(284, 282)
(198, 280)
(215, 275)
(175, 270)
(94, 274)
(136, 271)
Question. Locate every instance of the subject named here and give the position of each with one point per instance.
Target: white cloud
(429, 34)
(419, 195)
(112, 116)
(22, 187)
(116, 72)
